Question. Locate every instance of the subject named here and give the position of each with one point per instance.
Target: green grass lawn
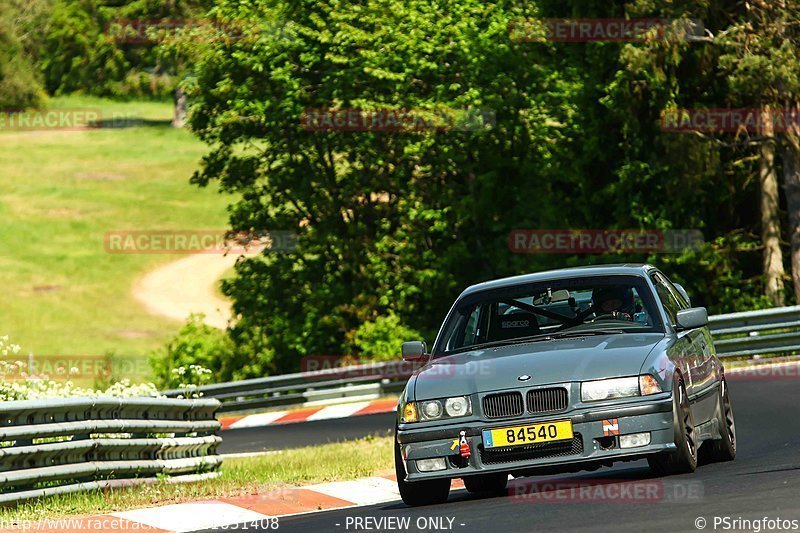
(240, 476)
(60, 192)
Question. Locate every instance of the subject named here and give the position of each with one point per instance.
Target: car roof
(635, 269)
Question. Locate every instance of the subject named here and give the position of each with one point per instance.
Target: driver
(614, 300)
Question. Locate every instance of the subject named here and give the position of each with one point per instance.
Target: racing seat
(514, 325)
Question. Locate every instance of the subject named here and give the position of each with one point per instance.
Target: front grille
(544, 450)
(503, 405)
(547, 400)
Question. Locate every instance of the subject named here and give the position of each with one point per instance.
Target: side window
(665, 294)
(681, 301)
(471, 330)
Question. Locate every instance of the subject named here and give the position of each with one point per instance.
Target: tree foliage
(393, 225)
(20, 84)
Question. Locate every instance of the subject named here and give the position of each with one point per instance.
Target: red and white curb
(309, 414)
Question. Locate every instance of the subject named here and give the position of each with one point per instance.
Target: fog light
(635, 440)
(432, 465)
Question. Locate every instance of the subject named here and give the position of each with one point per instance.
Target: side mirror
(694, 317)
(683, 293)
(414, 350)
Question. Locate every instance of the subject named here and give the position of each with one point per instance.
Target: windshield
(557, 308)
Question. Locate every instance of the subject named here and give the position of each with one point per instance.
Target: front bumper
(590, 446)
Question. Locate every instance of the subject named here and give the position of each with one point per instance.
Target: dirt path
(188, 285)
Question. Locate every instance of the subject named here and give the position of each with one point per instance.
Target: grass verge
(240, 476)
(62, 191)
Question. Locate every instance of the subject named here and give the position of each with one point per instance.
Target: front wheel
(419, 492)
(684, 459)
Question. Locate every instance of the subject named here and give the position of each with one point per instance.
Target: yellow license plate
(533, 434)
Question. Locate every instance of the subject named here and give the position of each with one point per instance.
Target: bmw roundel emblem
(524, 377)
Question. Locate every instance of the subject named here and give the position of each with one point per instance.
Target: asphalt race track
(764, 481)
(281, 437)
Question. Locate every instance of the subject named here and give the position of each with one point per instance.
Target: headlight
(608, 389)
(458, 406)
(432, 409)
(438, 409)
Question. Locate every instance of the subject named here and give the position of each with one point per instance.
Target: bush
(382, 339)
(187, 357)
(20, 87)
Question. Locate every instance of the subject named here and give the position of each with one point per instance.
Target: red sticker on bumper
(611, 427)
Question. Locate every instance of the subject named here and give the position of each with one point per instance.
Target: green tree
(719, 182)
(20, 86)
(761, 61)
(396, 224)
(92, 46)
(387, 222)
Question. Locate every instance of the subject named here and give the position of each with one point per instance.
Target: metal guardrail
(767, 332)
(68, 445)
(328, 385)
(750, 333)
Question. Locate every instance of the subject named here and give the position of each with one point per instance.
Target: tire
(684, 459)
(419, 492)
(723, 449)
(486, 483)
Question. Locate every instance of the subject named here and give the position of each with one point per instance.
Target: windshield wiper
(587, 333)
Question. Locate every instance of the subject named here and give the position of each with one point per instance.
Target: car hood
(551, 361)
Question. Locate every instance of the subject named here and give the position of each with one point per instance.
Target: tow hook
(463, 447)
